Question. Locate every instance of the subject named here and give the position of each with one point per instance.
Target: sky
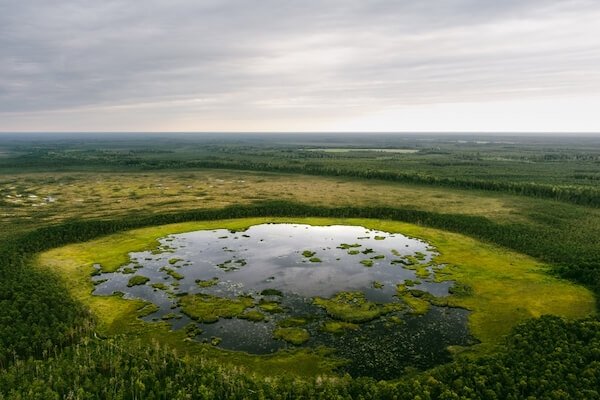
(306, 65)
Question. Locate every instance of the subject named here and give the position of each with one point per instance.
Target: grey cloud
(239, 56)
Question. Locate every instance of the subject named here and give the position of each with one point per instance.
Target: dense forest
(49, 349)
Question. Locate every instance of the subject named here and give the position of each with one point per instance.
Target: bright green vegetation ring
(413, 276)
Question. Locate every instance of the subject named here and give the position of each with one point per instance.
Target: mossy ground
(295, 336)
(339, 327)
(137, 280)
(354, 307)
(506, 288)
(206, 308)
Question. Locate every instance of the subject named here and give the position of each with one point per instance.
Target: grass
(507, 287)
(206, 308)
(271, 292)
(292, 322)
(296, 336)
(338, 327)
(137, 280)
(253, 315)
(367, 263)
(207, 283)
(354, 307)
(270, 306)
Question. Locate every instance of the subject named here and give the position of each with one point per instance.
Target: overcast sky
(275, 65)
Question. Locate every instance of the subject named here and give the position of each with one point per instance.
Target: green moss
(308, 253)
(292, 322)
(296, 336)
(417, 300)
(422, 272)
(174, 260)
(270, 306)
(354, 307)
(396, 253)
(461, 290)
(367, 251)
(394, 319)
(346, 246)
(137, 280)
(253, 315)
(353, 252)
(232, 265)
(160, 286)
(215, 340)
(171, 272)
(207, 308)
(271, 292)
(367, 263)
(315, 259)
(338, 327)
(192, 330)
(378, 257)
(379, 238)
(207, 283)
(147, 309)
(377, 285)
(410, 260)
(169, 316)
(128, 270)
(410, 282)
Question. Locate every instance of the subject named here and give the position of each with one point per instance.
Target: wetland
(355, 290)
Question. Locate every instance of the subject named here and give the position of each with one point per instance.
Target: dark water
(270, 256)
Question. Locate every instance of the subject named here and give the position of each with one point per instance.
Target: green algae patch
(206, 308)
(149, 308)
(367, 263)
(377, 285)
(271, 292)
(192, 330)
(137, 280)
(174, 260)
(308, 253)
(292, 322)
(207, 282)
(295, 336)
(270, 306)
(346, 246)
(172, 273)
(338, 327)
(253, 315)
(354, 307)
(416, 300)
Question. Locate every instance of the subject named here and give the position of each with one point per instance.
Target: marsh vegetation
(535, 198)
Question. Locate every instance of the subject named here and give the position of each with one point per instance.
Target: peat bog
(276, 286)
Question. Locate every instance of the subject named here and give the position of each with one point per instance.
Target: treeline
(547, 358)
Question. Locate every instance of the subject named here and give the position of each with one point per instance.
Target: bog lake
(281, 286)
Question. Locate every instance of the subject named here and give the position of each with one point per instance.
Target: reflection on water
(302, 262)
